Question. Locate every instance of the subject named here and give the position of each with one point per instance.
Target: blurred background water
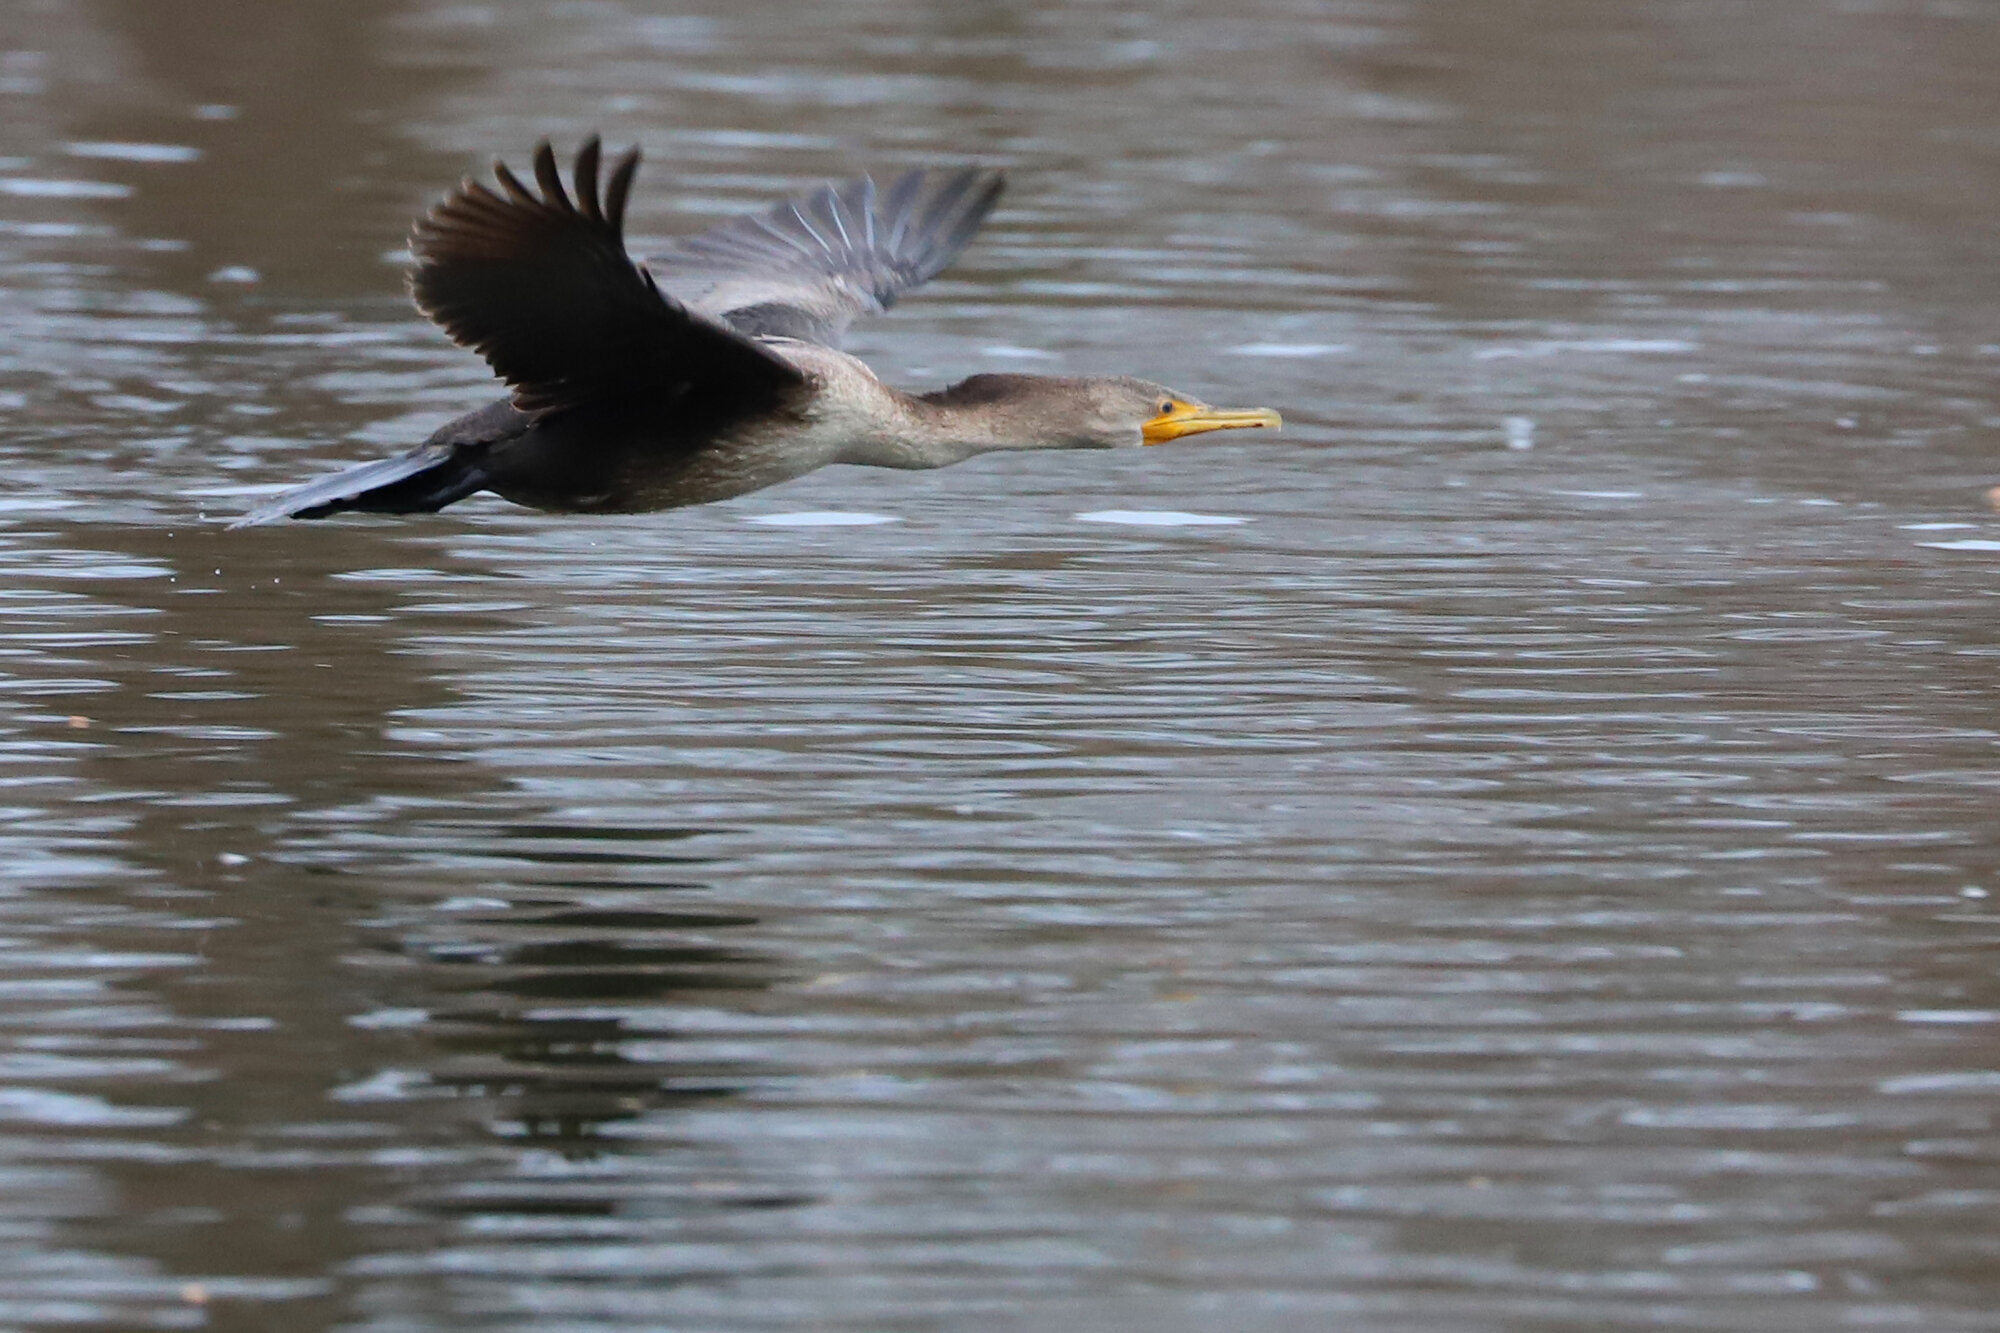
(1512, 853)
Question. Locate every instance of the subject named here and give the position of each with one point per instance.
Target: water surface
(1511, 853)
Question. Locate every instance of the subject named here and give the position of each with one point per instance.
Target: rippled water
(1512, 853)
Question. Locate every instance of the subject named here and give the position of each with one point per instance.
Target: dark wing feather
(807, 268)
(541, 286)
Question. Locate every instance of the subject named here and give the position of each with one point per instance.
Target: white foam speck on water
(38, 1106)
(389, 1085)
(390, 1018)
(1948, 1081)
(22, 188)
(1007, 351)
(1948, 1016)
(1933, 527)
(1557, 346)
(1300, 350)
(134, 152)
(1968, 544)
(1520, 432)
(1159, 518)
(821, 518)
(31, 503)
(243, 488)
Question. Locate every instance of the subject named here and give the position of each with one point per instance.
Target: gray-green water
(1448, 886)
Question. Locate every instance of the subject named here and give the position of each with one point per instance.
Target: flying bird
(624, 399)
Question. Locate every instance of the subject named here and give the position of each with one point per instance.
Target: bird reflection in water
(536, 1019)
(562, 1076)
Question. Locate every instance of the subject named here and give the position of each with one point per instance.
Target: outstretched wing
(542, 288)
(807, 268)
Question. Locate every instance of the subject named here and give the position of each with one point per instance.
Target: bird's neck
(938, 429)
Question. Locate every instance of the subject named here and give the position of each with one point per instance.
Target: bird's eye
(1166, 406)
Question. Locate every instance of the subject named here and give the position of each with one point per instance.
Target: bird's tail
(422, 481)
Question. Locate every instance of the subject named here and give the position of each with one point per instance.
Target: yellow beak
(1194, 418)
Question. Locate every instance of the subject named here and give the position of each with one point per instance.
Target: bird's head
(1000, 411)
(1129, 411)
